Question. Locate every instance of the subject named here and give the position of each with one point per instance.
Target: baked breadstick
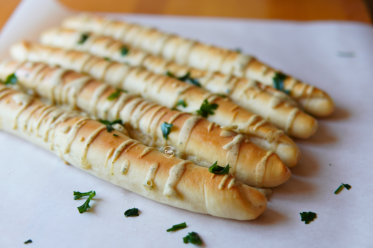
(86, 144)
(203, 57)
(141, 82)
(271, 104)
(189, 134)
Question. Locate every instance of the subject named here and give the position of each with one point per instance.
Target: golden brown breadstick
(189, 134)
(132, 79)
(203, 57)
(86, 144)
(271, 104)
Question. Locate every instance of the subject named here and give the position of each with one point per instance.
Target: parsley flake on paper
(131, 212)
(343, 185)
(307, 217)
(193, 238)
(177, 227)
(77, 195)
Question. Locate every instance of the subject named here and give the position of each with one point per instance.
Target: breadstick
(189, 134)
(139, 81)
(176, 182)
(203, 57)
(273, 105)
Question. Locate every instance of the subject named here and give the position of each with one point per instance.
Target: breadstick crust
(140, 81)
(147, 126)
(201, 56)
(195, 191)
(274, 105)
(313, 100)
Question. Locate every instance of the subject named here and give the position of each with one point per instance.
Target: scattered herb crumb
(330, 164)
(181, 102)
(116, 94)
(124, 50)
(346, 54)
(222, 95)
(83, 38)
(166, 129)
(186, 78)
(238, 50)
(278, 82)
(207, 109)
(177, 227)
(11, 79)
(193, 238)
(28, 241)
(109, 125)
(343, 185)
(218, 170)
(115, 135)
(132, 212)
(77, 195)
(307, 217)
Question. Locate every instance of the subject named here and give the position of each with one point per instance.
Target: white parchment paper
(36, 188)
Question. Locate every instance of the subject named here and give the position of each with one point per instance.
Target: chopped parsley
(193, 238)
(77, 195)
(181, 102)
(218, 170)
(222, 95)
(115, 135)
(83, 38)
(116, 94)
(238, 50)
(132, 212)
(207, 109)
(11, 79)
(107, 58)
(28, 241)
(186, 78)
(177, 227)
(109, 125)
(307, 217)
(124, 50)
(166, 129)
(343, 185)
(278, 82)
(346, 54)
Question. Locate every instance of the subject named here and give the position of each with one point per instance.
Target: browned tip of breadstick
(20, 50)
(251, 205)
(276, 172)
(303, 127)
(292, 151)
(318, 106)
